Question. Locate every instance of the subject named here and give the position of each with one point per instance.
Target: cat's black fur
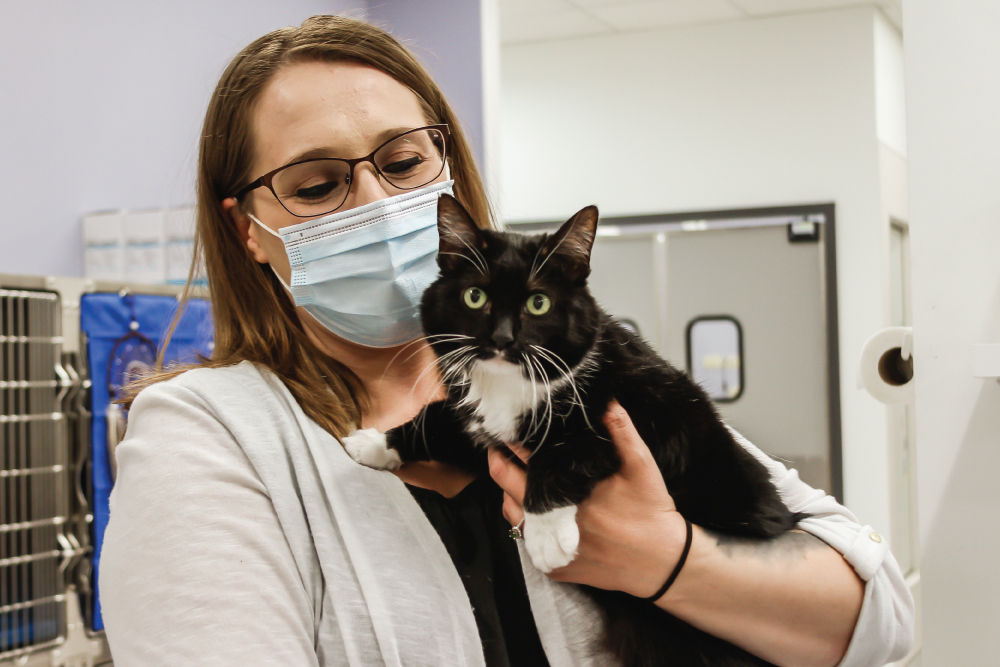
(713, 480)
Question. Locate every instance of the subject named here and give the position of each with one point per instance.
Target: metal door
(773, 272)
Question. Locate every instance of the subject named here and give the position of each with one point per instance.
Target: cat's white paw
(552, 537)
(368, 447)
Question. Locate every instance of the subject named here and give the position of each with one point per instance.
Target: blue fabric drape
(105, 318)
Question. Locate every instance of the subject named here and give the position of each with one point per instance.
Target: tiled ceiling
(542, 20)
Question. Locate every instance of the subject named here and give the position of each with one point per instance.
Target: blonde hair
(253, 316)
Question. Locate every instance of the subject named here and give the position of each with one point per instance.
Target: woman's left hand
(631, 534)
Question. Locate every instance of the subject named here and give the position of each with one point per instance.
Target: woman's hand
(631, 534)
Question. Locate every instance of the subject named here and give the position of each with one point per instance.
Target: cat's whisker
(416, 382)
(570, 378)
(436, 364)
(417, 341)
(479, 262)
(574, 397)
(531, 381)
(549, 403)
(448, 367)
(421, 421)
(447, 335)
(534, 396)
(485, 271)
(548, 415)
(426, 368)
(438, 338)
(533, 424)
(458, 369)
(448, 360)
(534, 390)
(446, 338)
(562, 370)
(466, 258)
(534, 263)
(422, 339)
(535, 270)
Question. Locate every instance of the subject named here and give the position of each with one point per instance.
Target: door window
(715, 356)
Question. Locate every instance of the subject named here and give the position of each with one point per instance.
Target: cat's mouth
(498, 367)
(498, 358)
(491, 353)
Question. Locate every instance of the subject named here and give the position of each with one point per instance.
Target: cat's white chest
(501, 394)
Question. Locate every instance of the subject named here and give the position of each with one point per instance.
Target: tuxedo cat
(528, 356)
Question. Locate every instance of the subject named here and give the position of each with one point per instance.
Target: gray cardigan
(242, 534)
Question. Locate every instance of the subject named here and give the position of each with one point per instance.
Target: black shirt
(474, 532)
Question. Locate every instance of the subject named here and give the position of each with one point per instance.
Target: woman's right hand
(631, 534)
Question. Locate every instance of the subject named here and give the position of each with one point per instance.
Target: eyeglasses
(320, 185)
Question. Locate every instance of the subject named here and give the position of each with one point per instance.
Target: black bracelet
(677, 569)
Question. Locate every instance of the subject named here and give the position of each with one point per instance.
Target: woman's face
(324, 109)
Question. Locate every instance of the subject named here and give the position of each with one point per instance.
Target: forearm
(792, 600)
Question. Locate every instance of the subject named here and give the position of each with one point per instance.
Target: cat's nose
(503, 335)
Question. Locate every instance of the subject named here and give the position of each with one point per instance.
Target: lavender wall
(102, 106)
(446, 36)
(103, 101)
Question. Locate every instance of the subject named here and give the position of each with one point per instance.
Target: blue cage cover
(105, 318)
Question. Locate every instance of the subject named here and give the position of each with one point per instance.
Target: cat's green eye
(538, 304)
(474, 297)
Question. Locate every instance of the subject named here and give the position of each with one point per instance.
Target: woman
(241, 533)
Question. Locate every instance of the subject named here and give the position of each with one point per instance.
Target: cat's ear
(461, 240)
(573, 241)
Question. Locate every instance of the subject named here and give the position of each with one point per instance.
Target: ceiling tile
(640, 15)
(539, 20)
(537, 25)
(534, 6)
(765, 7)
(605, 3)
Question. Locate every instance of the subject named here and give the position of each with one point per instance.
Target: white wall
(953, 93)
(102, 106)
(752, 113)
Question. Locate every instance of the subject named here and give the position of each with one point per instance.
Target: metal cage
(35, 547)
(46, 511)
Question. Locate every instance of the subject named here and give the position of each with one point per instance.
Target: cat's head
(507, 298)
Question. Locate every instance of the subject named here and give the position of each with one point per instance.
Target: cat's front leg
(551, 537)
(369, 447)
(559, 478)
(387, 451)
(435, 434)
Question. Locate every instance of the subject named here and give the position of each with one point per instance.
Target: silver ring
(515, 531)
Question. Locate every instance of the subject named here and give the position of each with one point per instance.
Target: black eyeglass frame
(266, 179)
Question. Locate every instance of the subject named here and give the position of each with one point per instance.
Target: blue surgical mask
(361, 272)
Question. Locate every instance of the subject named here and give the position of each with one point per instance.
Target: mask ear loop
(263, 226)
(273, 270)
(142, 350)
